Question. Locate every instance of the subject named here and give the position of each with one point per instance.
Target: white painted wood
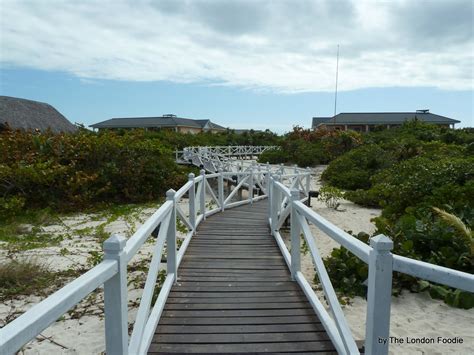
(156, 314)
(326, 320)
(295, 236)
(183, 247)
(331, 297)
(232, 194)
(202, 199)
(171, 260)
(435, 273)
(358, 248)
(251, 185)
(213, 211)
(379, 296)
(147, 295)
(283, 249)
(181, 215)
(276, 196)
(220, 186)
(192, 202)
(27, 326)
(116, 298)
(183, 189)
(213, 195)
(143, 233)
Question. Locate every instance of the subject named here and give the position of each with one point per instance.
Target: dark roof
(375, 118)
(163, 121)
(25, 114)
(318, 120)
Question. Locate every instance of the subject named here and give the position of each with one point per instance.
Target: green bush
(70, 171)
(411, 172)
(353, 170)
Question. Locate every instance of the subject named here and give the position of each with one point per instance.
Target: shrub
(24, 277)
(331, 196)
(353, 170)
(72, 171)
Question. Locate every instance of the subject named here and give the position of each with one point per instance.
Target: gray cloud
(286, 46)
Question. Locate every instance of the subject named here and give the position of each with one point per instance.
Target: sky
(243, 64)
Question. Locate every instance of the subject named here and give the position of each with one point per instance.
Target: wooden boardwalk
(235, 295)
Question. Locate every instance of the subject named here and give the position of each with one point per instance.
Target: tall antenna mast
(337, 72)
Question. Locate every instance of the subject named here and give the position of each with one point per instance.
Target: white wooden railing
(285, 200)
(112, 271)
(286, 189)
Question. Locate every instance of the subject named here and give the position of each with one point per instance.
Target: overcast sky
(259, 47)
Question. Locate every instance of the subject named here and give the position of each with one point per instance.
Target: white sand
(82, 332)
(413, 315)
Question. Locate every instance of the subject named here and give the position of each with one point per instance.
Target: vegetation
(24, 277)
(309, 148)
(331, 196)
(422, 176)
(76, 171)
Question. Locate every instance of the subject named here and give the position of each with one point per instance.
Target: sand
(413, 315)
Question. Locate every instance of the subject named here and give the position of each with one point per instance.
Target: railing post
(171, 259)
(379, 296)
(192, 202)
(251, 186)
(269, 194)
(275, 204)
(267, 183)
(203, 194)
(115, 298)
(295, 235)
(308, 181)
(220, 187)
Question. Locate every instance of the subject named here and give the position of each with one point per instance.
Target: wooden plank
(286, 284)
(234, 294)
(227, 278)
(229, 329)
(236, 306)
(237, 313)
(232, 272)
(192, 288)
(231, 256)
(240, 338)
(235, 300)
(314, 347)
(208, 294)
(239, 320)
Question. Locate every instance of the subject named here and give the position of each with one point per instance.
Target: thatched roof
(25, 114)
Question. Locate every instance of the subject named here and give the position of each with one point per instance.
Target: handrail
(142, 234)
(112, 272)
(435, 273)
(24, 328)
(380, 260)
(354, 245)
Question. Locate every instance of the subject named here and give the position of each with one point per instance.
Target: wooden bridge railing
(118, 252)
(285, 201)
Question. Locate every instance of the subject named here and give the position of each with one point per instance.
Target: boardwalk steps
(234, 294)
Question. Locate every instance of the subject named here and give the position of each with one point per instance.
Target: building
(367, 121)
(16, 113)
(170, 122)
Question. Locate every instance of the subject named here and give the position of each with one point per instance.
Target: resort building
(367, 121)
(169, 121)
(29, 115)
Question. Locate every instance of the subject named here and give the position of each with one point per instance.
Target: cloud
(283, 46)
